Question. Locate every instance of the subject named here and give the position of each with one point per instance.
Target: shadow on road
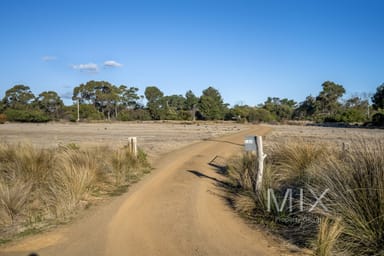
(220, 164)
(202, 175)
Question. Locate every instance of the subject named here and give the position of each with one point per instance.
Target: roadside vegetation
(44, 187)
(317, 196)
(101, 100)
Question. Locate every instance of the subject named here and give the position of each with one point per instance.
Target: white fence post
(260, 157)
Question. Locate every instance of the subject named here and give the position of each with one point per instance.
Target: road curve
(177, 210)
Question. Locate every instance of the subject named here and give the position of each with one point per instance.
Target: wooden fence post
(132, 144)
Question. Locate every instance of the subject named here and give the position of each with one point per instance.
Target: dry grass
(40, 186)
(353, 221)
(329, 232)
(356, 194)
(13, 198)
(294, 159)
(248, 201)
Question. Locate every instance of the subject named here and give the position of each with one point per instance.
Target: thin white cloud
(112, 64)
(48, 58)
(89, 67)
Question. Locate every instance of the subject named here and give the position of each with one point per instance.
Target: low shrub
(134, 114)
(258, 115)
(34, 116)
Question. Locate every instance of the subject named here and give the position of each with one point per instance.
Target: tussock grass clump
(352, 219)
(242, 173)
(356, 194)
(329, 232)
(40, 186)
(13, 198)
(294, 159)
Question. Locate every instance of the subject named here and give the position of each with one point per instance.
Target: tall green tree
(240, 112)
(177, 102)
(50, 103)
(18, 97)
(128, 96)
(106, 97)
(306, 109)
(327, 102)
(155, 102)
(85, 93)
(173, 106)
(378, 98)
(191, 101)
(211, 104)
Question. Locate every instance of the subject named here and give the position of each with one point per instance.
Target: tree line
(101, 100)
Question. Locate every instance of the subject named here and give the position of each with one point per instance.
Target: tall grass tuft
(329, 232)
(294, 159)
(38, 185)
(356, 194)
(246, 200)
(243, 173)
(13, 199)
(72, 179)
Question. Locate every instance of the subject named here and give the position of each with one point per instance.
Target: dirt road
(177, 210)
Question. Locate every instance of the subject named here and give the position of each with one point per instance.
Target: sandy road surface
(177, 210)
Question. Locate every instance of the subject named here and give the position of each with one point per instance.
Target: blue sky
(249, 50)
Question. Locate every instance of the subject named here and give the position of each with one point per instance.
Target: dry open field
(331, 135)
(156, 138)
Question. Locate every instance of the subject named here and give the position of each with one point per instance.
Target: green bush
(134, 114)
(353, 116)
(260, 115)
(347, 116)
(34, 116)
(89, 112)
